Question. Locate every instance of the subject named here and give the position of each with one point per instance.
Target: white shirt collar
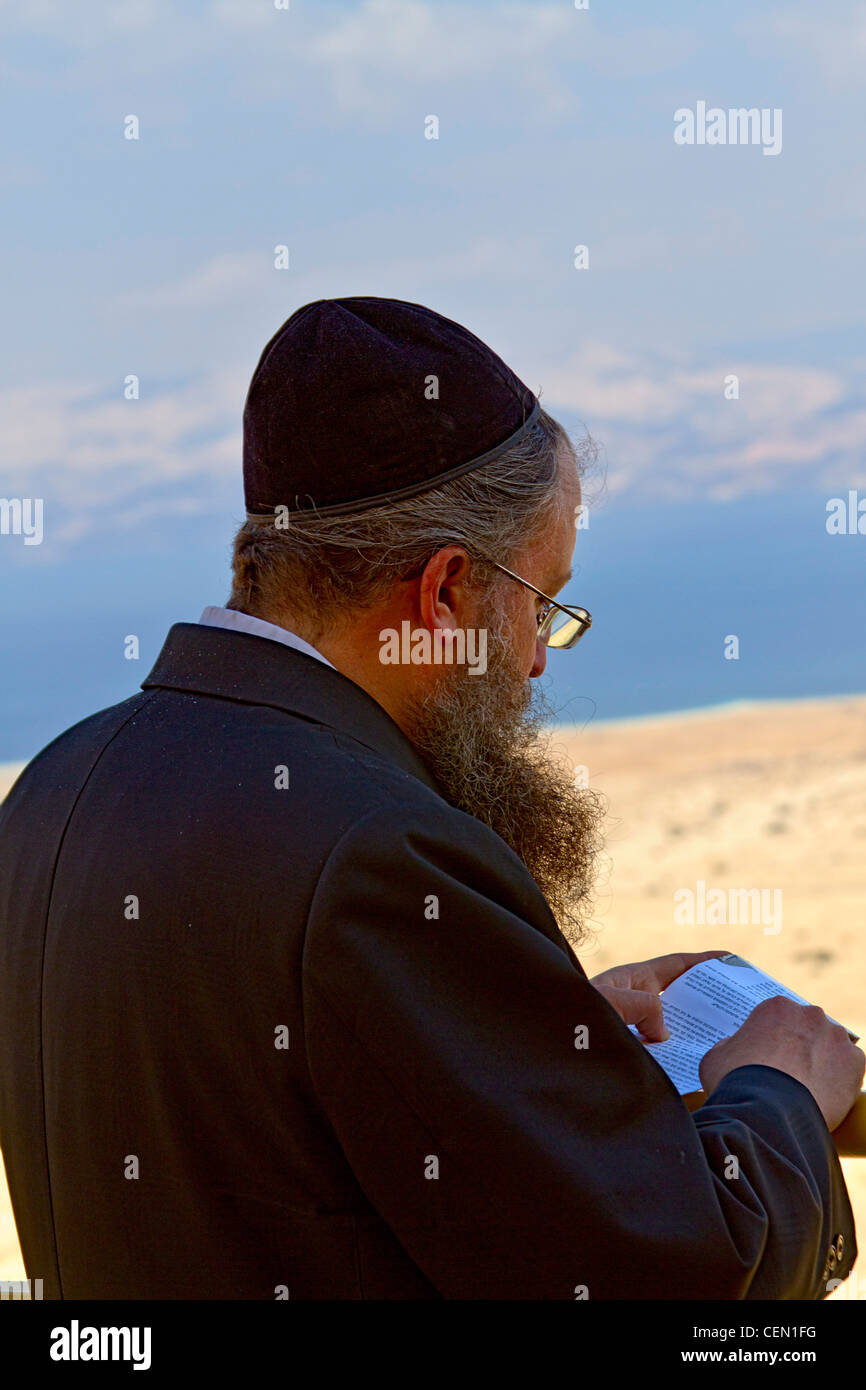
(243, 622)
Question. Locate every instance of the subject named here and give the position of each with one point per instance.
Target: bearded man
(290, 1004)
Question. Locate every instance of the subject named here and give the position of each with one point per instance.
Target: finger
(643, 1009)
(661, 971)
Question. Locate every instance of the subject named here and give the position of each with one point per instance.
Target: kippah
(360, 401)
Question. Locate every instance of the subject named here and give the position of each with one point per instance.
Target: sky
(306, 127)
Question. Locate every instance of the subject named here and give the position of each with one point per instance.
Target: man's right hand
(798, 1039)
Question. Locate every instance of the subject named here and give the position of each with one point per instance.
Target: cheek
(526, 628)
(521, 626)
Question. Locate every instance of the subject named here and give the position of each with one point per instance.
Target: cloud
(407, 44)
(371, 58)
(666, 429)
(213, 283)
(831, 39)
(90, 457)
(604, 381)
(669, 429)
(249, 276)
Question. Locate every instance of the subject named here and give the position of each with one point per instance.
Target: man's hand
(633, 990)
(801, 1040)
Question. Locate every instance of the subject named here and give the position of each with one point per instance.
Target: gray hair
(321, 566)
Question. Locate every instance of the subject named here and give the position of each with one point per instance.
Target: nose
(540, 661)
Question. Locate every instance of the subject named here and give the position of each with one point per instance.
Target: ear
(443, 597)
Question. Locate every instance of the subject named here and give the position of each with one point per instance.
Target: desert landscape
(768, 796)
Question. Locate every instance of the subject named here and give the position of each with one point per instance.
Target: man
(289, 1000)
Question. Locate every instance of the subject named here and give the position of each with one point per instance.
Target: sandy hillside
(766, 796)
(762, 796)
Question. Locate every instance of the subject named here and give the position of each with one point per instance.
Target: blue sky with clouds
(305, 127)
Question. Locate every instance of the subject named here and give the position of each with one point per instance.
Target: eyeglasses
(558, 627)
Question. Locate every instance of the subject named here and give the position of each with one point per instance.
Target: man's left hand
(633, 990)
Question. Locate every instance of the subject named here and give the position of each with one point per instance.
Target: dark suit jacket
(171, 913)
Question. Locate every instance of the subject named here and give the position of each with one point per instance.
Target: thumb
(642, 1008)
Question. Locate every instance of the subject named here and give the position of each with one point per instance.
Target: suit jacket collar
(256, 671)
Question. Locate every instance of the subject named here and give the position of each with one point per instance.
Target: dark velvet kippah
(359, 401)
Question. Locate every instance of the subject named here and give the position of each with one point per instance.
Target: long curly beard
(482, 737)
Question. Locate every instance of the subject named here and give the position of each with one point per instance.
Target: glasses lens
(564, 631)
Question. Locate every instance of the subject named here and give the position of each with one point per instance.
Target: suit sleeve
(517, 1138)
